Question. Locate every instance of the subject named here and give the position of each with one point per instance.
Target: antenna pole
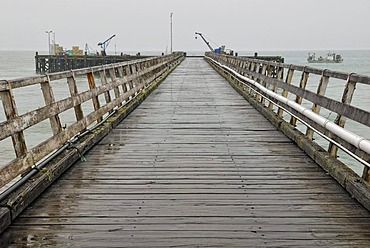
(171, 32)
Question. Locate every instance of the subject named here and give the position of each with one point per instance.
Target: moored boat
(330, 58)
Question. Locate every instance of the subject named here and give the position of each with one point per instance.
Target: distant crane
(105, 44)
(207, 43)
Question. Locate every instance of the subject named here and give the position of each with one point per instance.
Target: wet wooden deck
(196, 166)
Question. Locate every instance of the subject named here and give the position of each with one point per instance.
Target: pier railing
(118, 84)
(286, 99)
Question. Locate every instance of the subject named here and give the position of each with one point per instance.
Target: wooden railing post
(252, 68)
(73, 91)
(121, 75)
(321, 89)
(11, 112)
(366, 173)
(341, 120)
(243, 67)
(279, 75)
(134, 72)
(147, 65)
(288, 80)
(112, 75)
(103, 80)
(257, 70)
(263, 83)
(49, 100)
(141, 79)
(128, 73)
(298, 99)
(95, 100)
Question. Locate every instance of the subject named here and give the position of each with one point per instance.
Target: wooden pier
(57, 63)
(195, 165)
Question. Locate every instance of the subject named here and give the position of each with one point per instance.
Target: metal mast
(171, 31)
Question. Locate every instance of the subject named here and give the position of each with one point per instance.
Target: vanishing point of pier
(194, 165)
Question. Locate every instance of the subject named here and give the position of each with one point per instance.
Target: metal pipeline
(346, 135)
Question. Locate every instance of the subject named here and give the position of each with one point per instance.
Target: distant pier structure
(57, 63)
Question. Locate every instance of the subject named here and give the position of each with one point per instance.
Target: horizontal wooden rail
(270, 74)
(126, 80)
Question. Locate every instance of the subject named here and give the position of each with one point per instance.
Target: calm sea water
(17, 64)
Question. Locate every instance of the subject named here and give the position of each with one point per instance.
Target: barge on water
(330, 58)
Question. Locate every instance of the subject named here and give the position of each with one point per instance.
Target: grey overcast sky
(144, 25)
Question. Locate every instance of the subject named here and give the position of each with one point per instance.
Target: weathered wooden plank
(133, 238)
(197, 242)
(313, 199)
(335, 223)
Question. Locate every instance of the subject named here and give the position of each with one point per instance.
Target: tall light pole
(49, 32)
(171, 31)
(54, 48)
